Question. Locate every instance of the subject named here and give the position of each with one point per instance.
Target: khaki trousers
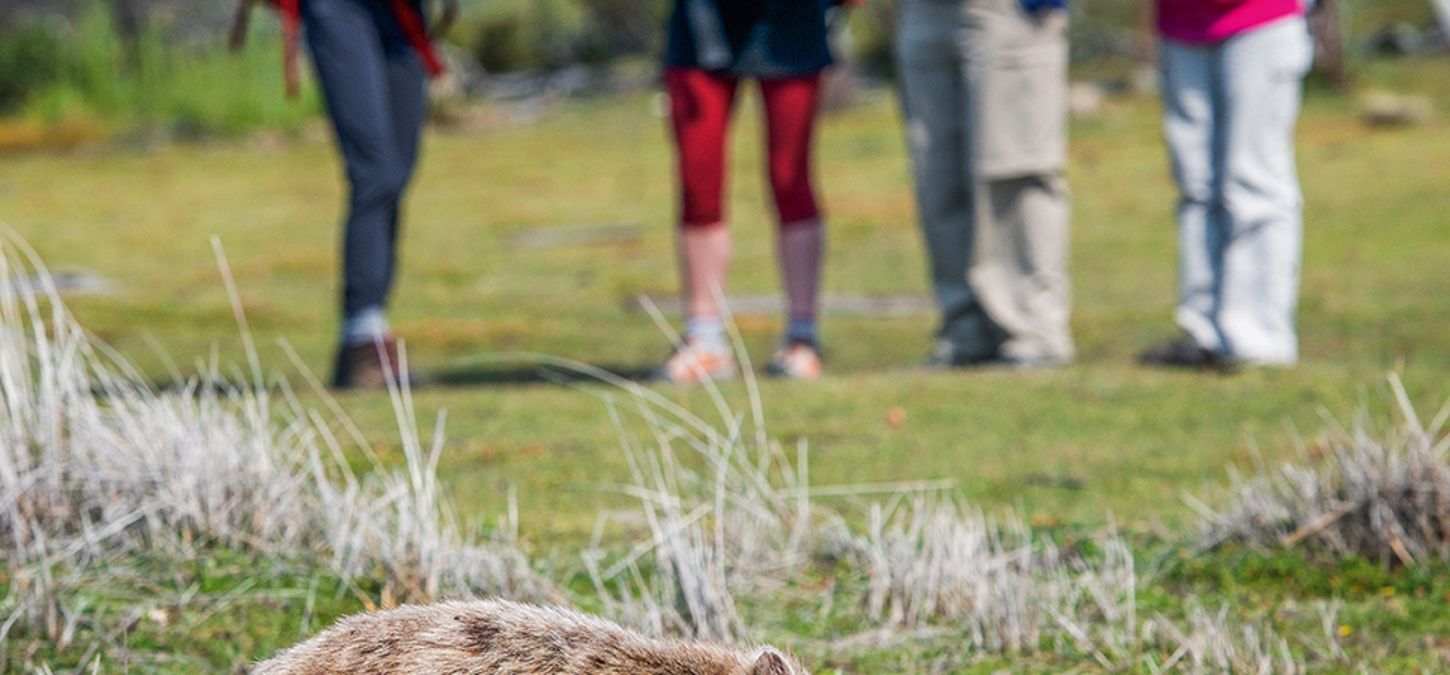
(984, 89)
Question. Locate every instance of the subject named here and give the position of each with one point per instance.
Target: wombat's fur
(505, 638)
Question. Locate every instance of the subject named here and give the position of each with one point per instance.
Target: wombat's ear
(771, 662)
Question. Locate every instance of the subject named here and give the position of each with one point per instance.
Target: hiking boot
(369, 366)
(1184, 353)
(693, 364)
(948, 356)
(1027, 363)
(796, 361)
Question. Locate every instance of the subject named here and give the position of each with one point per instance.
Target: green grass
(1375, 285)
(76, 77)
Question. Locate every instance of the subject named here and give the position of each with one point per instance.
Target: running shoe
(796, 361)
(693, 364)
(1184, 353)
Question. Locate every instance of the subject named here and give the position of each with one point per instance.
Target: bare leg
(705, 253)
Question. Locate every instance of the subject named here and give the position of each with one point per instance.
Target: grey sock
(802, 330)
(707, 332)
(365, 327)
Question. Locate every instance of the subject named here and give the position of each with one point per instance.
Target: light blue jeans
(1230, 110)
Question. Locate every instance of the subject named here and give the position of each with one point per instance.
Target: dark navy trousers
(375, 88)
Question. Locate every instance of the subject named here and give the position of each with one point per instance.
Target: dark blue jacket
(750, 38)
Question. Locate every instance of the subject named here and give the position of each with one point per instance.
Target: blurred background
(76, 70)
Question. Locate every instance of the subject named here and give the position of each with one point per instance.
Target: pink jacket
(1212, 21)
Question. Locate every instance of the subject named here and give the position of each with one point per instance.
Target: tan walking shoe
(693, 364)
(796, 361)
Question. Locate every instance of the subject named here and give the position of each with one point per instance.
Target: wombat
(506, 638)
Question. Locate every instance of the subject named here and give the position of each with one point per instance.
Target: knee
(797, 205)
(795, 197)
(701, 212)
(1197, 195)
(1196, 185)
(702, 200)
(1260, 197)
(380, 183)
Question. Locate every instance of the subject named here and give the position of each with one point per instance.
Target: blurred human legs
(984, 93)
(701, 106)
(375, 93)
(791, 108)
(1230, 112)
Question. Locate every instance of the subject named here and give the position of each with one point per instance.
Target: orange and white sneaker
(693, 363)
(796, 361)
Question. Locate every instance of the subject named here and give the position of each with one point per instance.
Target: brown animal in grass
(505, 638)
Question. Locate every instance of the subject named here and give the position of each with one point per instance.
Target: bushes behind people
(161, 65)
(171, 77)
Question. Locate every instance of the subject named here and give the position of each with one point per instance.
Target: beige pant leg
(1020, 270)
(930, 53)
(1018, 89)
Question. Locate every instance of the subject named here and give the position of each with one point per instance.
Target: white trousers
(1230, 111)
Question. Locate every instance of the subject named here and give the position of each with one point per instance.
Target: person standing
(713, 46)
(1233, 75)
(372, 59)
(984, 91)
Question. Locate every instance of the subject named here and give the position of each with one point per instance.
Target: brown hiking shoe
(1184, 353)
(369, 366)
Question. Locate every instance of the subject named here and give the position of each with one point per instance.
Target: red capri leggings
(700, 106)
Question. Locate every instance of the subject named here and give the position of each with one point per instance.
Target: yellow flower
(1344, 631)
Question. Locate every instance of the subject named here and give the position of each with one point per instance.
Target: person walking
(1233, 75)
(372, 59)
(713, 46)
(984, 90)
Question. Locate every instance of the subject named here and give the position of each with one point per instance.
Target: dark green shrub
(76, 68)
(550, 34)
(31, 57)
(621, 27)
(529, 36)
(873, 32)
(500, 44)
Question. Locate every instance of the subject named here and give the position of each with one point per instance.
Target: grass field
(1072, 449)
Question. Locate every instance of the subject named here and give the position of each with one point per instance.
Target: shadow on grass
(506, 374)
(465, 375)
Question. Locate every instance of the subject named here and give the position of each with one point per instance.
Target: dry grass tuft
(725, 515)
(96, 466)
(1378, 495)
